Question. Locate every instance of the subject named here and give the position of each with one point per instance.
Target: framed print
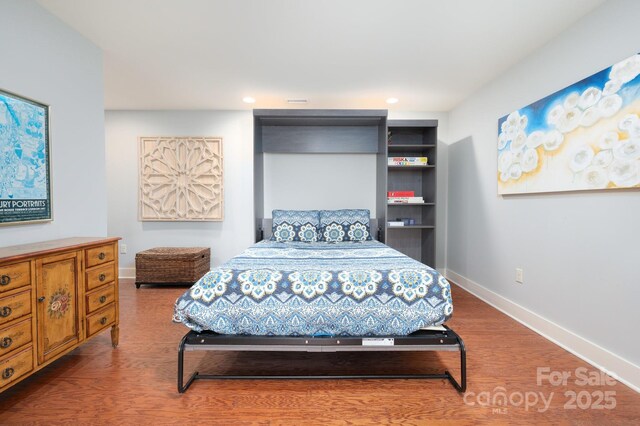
(25, 164)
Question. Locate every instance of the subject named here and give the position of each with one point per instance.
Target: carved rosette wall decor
(181, 179)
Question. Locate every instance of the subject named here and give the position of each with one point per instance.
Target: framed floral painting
(583, 137)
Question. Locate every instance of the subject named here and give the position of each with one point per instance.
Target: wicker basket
(172, 265)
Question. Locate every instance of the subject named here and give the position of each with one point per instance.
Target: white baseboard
(127, 273)
(617, 367)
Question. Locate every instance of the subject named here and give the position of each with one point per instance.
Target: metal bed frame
(445, 340)
(421, 340)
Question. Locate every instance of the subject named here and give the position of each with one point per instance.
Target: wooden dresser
(54, 296)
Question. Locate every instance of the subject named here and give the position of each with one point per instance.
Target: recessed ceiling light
(392, 100)
(248, 100)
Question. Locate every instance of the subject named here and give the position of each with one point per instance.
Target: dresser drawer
(100, 298)
(14, 276)
(12, 307)
(100, 276)
(13, 337)
(15, 366)
(99, 255)
(101, 319)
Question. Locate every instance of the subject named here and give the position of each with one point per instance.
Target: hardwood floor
(136, 383)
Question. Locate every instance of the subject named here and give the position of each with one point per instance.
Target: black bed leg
(181, 386)
(181, 389)
(462, 386)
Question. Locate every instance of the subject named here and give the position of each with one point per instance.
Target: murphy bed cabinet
(351, 131)
(413, 138)
(54, 296)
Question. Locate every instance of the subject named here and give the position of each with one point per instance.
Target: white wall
(43, 59)
(226, 238)
(579, 251)
(330, 181)
(235, 233)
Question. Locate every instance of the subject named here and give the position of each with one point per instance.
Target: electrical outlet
(519, 275)
(123, 249)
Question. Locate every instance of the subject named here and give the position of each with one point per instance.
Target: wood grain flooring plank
(135, 384)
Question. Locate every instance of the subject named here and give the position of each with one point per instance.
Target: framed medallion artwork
(180, 179)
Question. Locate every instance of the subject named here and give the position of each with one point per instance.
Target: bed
(319, 296)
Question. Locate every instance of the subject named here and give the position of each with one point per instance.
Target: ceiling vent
(297, 101)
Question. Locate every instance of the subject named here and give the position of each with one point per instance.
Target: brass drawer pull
(7, 372)
(103, 299)
(5, 280)
(5, 312)
(103, 320)
(102, 277)
(101, 256)
(6, 342)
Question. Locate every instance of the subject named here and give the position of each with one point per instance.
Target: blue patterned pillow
(295, 225)
(344, 225)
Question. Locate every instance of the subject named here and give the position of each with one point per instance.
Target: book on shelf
(405, 200)
(407, 221)
(401, 193)
(395, 223)
(408, 161)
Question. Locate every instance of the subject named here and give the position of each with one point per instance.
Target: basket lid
(174, 251)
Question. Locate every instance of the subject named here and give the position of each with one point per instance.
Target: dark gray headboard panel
(267, 225)
(320, 139)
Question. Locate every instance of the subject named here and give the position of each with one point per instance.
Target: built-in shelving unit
(361, 131)
(413, 138)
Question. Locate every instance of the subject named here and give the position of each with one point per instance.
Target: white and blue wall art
(25, 186)
(583, 137)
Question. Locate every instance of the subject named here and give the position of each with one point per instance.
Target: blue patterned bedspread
(299, 288)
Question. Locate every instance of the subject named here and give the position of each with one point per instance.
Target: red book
(401, 194)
